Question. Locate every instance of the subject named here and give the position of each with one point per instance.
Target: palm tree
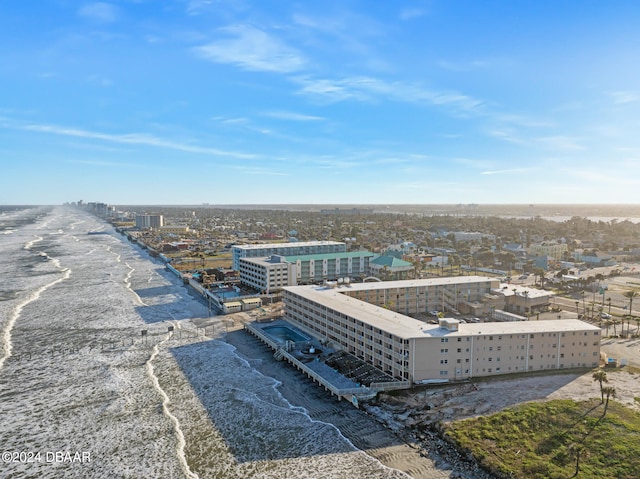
(610, 391)
(577, 450)
(601, 376)
(629, 294)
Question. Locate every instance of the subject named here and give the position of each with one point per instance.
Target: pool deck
(318, 371)
(313, 365)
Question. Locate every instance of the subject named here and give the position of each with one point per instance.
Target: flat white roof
(378, 317)
(286, 245)
(406, 327)
(415, 283)
(517, 327)
(233, 304)
(251, 300)
(511, 289)
(264, 261)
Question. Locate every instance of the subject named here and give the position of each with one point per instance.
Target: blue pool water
(285, 334)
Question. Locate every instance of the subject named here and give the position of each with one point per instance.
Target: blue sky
(338, 101)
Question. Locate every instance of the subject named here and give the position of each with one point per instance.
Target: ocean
(94, 384)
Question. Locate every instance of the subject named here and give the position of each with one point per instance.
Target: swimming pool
(284, 333)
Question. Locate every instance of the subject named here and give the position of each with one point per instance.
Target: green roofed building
(389, 267)
(273, 273)
(331, 266)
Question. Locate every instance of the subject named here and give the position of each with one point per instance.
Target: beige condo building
(361, 319)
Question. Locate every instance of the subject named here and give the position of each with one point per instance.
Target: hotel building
(149, 221)
(284, 249)
(367, 321)
(267, 274)
(274, 272)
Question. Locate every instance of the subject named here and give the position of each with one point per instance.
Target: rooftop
(286, 245)
(422, 283)
(511, 290)
(406, 327)
(321, 256)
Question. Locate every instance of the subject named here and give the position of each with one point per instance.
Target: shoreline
(364, 430)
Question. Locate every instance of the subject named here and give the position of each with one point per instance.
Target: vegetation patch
(555, 439)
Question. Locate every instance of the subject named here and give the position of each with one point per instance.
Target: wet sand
(364, 431)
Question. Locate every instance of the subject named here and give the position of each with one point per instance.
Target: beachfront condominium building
(366, 321)
(284, 249)
(267, 274)
(274, 272)
(331, 266)
(149, 221)
(424, 295)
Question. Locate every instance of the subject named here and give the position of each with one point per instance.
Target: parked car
(604, 315)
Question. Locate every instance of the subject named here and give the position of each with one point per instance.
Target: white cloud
(330, 90)
(624, 97)
(369, 89)
(135, 138)
(231, 121)
(289, 115)
(99, 12)
(194, 7)
(507, 134)
(507, 171)
(252, 49)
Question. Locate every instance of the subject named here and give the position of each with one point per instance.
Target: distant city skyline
(334, 102)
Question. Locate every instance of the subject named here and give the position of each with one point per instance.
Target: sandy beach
(366, 431)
